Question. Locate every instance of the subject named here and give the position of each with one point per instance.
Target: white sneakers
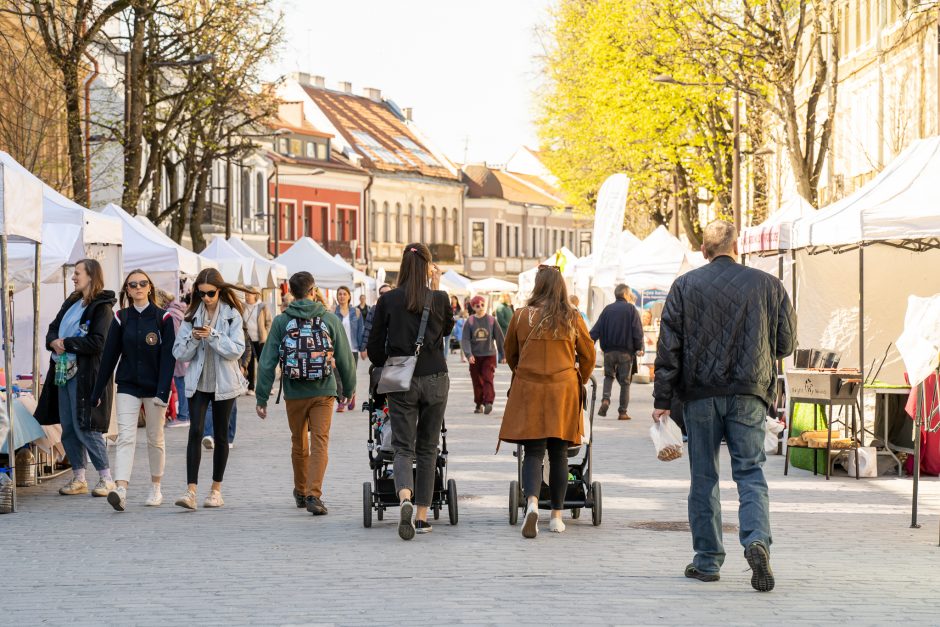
(530, 525)
(214, 499)
(103, 488)
(156, 496)
(187, 501)
(117, 498)
(556, 525)
(208, 442)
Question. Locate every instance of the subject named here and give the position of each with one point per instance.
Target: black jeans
(256, 348)
(221, 410)
(619, 365)
(417, 416)
(534, 453)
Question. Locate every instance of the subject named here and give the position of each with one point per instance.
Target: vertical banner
(608, 219)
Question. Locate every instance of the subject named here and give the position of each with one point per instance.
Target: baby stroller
(582, 492)
(380, 494)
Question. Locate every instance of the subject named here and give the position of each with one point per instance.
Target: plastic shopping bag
(772, 434)
(667, 438)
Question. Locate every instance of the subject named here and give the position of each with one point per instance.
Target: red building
(319, 193)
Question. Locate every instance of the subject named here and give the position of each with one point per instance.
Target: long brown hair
(413, 276)
(211, 276)
(96, 273)
(126, 300)
(550, 295)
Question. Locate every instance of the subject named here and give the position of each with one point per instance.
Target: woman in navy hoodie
(142, 337)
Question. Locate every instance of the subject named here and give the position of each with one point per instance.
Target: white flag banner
(608, 219)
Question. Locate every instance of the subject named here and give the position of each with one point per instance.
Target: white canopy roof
(656, 262)
(20, 201)
(307, 255)
(146, 247)
(900, 204)
(564, 258)
(492, 284)
(776, 232)
(234, 266)
(267, 273)
(455, 284)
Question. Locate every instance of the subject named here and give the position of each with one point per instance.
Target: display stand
(830, 420)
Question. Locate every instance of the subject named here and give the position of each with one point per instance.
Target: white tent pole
(861, 341)
(8, 359)
(36, 341)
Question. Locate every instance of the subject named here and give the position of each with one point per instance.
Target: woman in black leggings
(212, 339)
(551, 354)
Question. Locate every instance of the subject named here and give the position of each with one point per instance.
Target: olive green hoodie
(345, 366)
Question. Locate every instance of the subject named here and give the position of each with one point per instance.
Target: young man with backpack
(303, 342)
(482, 340)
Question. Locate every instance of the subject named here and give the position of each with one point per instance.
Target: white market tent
(235, 267)
(492, 284)
(307, 255)
(148, 248)
(767, 246)
(267, 273)
(21, 207)
(584, 270)
(455, 284)
(878, 244)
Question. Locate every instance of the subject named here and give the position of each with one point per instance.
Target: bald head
(719, 238)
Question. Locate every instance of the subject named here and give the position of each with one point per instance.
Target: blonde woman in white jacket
(212, 339)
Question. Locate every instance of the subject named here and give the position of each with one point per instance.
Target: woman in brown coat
(551, 355)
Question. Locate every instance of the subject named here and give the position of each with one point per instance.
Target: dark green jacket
(268, 363)
(503, 316)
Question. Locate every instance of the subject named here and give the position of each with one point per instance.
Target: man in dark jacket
(621, 335)
(723, 328)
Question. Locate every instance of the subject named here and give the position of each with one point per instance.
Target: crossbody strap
(423, 327)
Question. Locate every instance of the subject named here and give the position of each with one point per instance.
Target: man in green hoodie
(309, 403)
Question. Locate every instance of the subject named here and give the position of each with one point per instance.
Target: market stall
(306, 254)
(234, 266)
(563, 258)
(20, 221)
(455, 284)
(267, 273)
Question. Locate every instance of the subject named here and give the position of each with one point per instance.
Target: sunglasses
(135, 284)
(206, 294)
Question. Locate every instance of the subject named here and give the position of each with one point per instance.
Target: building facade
(414, 192)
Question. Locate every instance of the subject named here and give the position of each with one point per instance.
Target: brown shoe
(623, 416)
(604, 405)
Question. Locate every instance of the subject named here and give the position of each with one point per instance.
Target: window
(456, 220)
(296, 147)
(397, 225)
(433, 227)
(416, 150)
(386, 216)
(517, 253)
(499, 241)
(408, 228)
(308, 221)
(445, 226)
(259, 191)
(554, 240)
(375, 220)
(322, 152)
(288, 221)
(311, 150)
(477, 239)
(373, 149)
(283, 145)
(422, 226)
(245, 176)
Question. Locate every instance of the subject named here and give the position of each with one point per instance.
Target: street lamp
(736, 140)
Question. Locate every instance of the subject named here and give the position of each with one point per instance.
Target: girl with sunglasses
(211, 339)
(140, 344)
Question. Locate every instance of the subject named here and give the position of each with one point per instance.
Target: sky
(468, 68)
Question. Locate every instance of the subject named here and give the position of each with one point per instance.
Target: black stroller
(380, 493)
(582, 492)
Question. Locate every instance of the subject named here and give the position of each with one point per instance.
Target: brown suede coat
(545, 397)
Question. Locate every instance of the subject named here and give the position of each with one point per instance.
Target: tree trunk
(75, 133)
(135, 92)
(199, 210)
(687, 206)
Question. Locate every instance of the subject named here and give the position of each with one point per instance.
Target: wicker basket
(26, 469)
(6, 495)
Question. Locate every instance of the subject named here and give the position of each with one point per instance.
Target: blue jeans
(740, 421)
(76, 440)
(231, 423)
(182, 403)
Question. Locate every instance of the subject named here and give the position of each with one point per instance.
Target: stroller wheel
(452, 501)
(437, 512)
(380, 514)
(513, 502)
(596, 511)
(576, 513)
(367, 504)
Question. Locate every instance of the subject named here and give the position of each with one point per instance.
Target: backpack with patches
(306, 350)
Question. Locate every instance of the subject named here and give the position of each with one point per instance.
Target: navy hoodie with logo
(143, 341)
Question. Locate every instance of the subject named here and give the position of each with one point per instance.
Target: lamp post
(736, 140)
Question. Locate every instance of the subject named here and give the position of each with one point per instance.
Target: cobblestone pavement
(843, 550)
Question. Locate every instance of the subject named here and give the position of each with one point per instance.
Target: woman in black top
(141, 337)
(416, 415)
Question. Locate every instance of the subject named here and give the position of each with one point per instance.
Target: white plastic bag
(667, 438)
(867, 461)
(771, 439)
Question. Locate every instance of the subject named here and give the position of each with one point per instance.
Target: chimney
(318, 81)
(407, 112)
(301, 77)
(372, 94)
(345, 87)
